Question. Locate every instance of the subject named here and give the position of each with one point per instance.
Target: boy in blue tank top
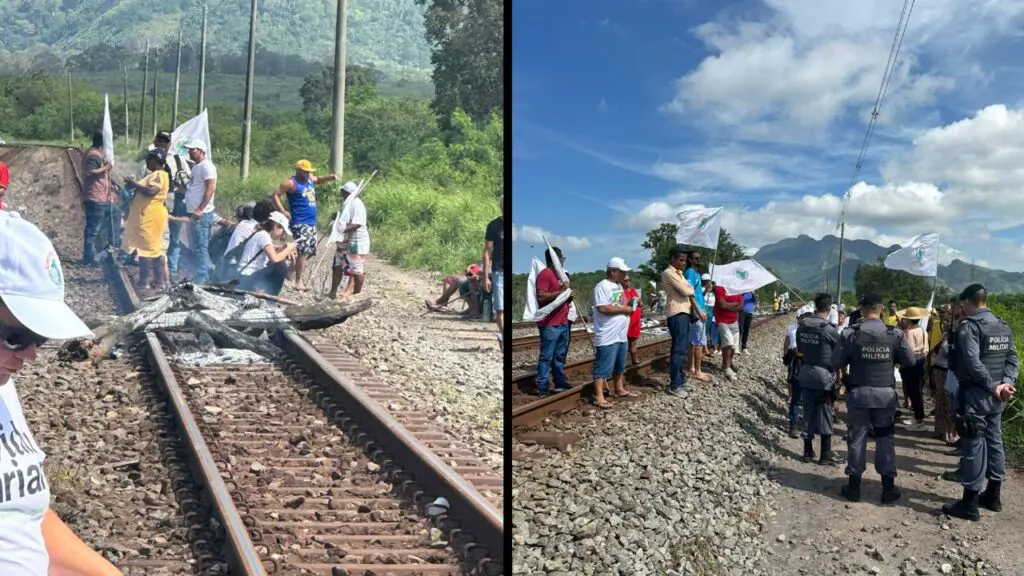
(300, 190)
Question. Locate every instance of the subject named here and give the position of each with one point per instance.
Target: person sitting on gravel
(33, 539)
(264, 266)
(553, 328)
(871, 349)
(467, 285)
(816, 338)
(611, 322)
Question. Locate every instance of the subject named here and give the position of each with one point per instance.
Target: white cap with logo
(618, 264)
(32, 281)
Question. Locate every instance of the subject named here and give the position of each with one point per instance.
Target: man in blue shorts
(301, 192)
(698, 333)
(611, 322)
(494, 267)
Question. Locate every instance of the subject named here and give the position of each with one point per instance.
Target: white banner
(699, 226)
(198, 127)
(108, 132)
(742, 276)
(531, 313)
(924, 321)
(920, 257)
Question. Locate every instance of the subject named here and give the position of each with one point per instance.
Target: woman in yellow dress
(147, 220)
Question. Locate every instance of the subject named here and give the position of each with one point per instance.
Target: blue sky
(623, 111)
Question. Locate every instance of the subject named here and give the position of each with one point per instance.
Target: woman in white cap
(34, 541)
(263, 267)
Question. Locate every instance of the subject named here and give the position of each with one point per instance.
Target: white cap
(705, 277)
(32, 281)
(349, 187)
(195, 143)
(618, 264)
(279, 218)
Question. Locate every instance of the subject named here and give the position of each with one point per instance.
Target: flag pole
(564, 278)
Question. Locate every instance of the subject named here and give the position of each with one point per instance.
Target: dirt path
(912, 537)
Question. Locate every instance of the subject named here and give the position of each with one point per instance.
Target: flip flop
(628, 394)
(606, 405)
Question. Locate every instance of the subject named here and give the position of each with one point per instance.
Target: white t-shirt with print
(609, 329)
(24, 492)
(254, 257)
(201, 172)
(709, 304)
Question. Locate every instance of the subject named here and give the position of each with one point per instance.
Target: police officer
(986, 367)
(871, 349)
(816, 338)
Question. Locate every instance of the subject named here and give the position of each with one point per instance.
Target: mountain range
(386, 33)
(804, 264)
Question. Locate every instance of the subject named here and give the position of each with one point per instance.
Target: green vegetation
(1010, 307)
(388, 34)
(428, 206)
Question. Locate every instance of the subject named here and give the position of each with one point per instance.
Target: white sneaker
(917, 427)
(745, 351)
(730, 374)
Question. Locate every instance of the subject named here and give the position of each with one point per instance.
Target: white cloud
(536, 235)
(602, 106)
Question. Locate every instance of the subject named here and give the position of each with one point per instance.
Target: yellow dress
(147, 218)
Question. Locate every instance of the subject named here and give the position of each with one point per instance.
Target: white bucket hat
(280, 219)
(32, 281)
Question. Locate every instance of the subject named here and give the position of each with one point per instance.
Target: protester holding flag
(553, 328)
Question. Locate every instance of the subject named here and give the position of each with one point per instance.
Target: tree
(467, 39)
(660, 240)
(906, 289)
(318, 87)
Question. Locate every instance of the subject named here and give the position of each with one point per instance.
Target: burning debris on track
(221, 318)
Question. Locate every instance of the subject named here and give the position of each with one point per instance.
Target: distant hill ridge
(803, 263)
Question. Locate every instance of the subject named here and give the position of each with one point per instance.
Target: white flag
(108, 132)
(742, 276)
(920, 257)
(531, 313)
(699, 226)
(924, 321)
(198, 127)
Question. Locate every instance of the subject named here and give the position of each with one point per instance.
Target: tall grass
(1010, 308)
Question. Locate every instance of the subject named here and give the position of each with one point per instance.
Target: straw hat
(913, 313)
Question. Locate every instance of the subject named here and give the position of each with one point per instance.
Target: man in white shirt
(354, 243)
(611, 322)
(199, 196)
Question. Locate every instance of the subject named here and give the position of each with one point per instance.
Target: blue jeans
(97, 217)
(679, 328)
(554, 344)
(794, 401)
(174, 230)
(609, 360)
(268, 280)
(199, 237)
(498, 290)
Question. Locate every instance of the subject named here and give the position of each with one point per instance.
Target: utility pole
(202, 66)
(839, 280)
(338, 118)
(125, 104)
(177, 84)
(250, 73)
(156, 76)
(142, 110)
(71, 108)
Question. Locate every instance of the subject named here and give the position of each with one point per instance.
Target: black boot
(890, 493)
(828, 458)
(989, 499)
(808, 450)
(793, 432)
(965, 508)
(851, 491)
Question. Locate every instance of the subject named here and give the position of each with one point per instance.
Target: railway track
(528, 410)
(307, 470)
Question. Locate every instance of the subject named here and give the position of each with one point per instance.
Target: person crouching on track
(34, 540)
(147, 221)
(871, 350)
(816, 338)
(467, 285)
(264, 266)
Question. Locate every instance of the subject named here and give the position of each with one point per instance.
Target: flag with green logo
(699, 226)
(919, 257)
(742, 276)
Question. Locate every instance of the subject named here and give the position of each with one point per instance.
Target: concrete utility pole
(125, 104)
(839, 278)
(156, 76)
(202, 66)
(142, 110)
(338, 119)
(250, 73)
(177, 84)
(71, 108)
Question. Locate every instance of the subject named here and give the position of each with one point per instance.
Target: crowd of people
(175, 195)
